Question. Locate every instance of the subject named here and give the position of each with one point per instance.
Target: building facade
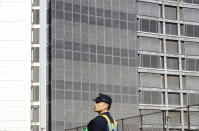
(143, 53)
(93, 49)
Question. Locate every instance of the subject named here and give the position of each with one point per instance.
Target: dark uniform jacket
(99, 123)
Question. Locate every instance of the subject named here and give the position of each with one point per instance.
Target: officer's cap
(103, 98)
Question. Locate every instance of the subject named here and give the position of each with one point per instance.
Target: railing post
(189, 126)
(141, 121)
(122, 124)
(163, 120)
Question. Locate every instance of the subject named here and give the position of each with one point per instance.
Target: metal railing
(161, 120)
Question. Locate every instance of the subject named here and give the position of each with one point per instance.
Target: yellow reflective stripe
(109, 123)
(106, 119)
(115, 122)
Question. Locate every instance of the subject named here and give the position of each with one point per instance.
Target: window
(151, 97)
(190, 30)
(191, 82)
(35, 35)
(35, 54)
(174, 118)
(35, 93)
(35, 3)
(151, 80)
(173, 99)
(151, 61)
(189, 14)
(149, 9)
(150, 26)
(171, 47)
(172, 63)
(35, 16)
(191, 64)
(191, 1)
(35, 74)
(171, 28)
(173, 82)
(150, 44)
(170, 12)
(35, 114)
(190, 48)
(190, 99)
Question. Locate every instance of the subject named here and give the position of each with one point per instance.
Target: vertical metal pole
(163, 120)
(141, 121)
(189, 126)
(122, 124)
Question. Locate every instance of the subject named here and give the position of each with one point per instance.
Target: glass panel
(35, 16)
(173, 82)
(35, 36)
(35, 54)
(170, 12)
(173, 99)
(149, 9)
(171, 47)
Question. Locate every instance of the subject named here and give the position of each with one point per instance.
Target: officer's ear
(106, 105)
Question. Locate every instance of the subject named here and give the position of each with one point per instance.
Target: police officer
(104, 121)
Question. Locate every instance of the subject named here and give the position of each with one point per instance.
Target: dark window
(84, 19)
(171, 29)
(108, 50)
(115, 15)
(124, 53)
(76, 55)
(116, 24)
(76, 17)
(108, 22)
(76, 8)
(92, 20)
(85, 57)
(145, 25)
(35, 16)
(100, 59)
(68, 45)
(107, 13)
(76, 46)
(172, 63)
(59, 5)
(84, 9)
(123, 16)
(91, 11)
(116, 61)
(68, 16)
(100, 21)
(123, 25)
(68, 55)
(116, 52)
(92, 58)
(100, 12)
(100, 49)
(68, 6)
(84, 48)
(59, 14)
(92, 48)
(108, 60)
(170, 12)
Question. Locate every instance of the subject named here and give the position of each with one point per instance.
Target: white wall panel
(15, 64)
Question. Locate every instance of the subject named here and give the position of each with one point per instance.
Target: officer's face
(100, 107)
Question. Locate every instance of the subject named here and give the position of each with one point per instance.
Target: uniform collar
(105, 113)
